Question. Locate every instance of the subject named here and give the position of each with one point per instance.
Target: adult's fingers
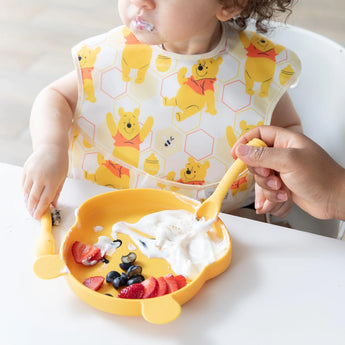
(264, 157)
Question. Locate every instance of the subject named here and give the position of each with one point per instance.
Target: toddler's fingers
(34, 197)
(26, 185)
(44, 202)
(57, 194)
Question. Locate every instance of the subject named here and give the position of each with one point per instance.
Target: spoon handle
(230, 176)
(45, 244)
(224, 185)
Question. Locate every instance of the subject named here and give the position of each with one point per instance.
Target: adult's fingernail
(243, 150)
(272, 184)
(258, 205)
(282, 196)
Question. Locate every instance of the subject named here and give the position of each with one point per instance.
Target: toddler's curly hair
(262, 11)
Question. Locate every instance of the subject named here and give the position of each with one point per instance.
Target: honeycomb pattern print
(150, 118)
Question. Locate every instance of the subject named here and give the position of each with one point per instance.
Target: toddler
(160, 101)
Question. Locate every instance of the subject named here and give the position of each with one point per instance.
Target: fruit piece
(111, 276)
(123, 279)
(136, 279)
(129, 258)
(125, 266)
(135, 291)
(134, 270)
(85, 254)
(151, 287)
(116, 282)
(94, 283)
(120, 281)
(172, 283)
(181, 281)
(105, 260)
(118, 243)
(162, 286)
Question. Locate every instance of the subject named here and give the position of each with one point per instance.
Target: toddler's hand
(44, 174)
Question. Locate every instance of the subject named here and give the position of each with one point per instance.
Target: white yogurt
(142, 25)
(98, 228)
(106, 245)
(176, 237)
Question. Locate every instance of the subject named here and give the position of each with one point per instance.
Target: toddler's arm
(46, 168)
(285, 115)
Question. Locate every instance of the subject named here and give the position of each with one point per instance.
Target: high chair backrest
(319, 99)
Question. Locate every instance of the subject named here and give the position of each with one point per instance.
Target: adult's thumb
(263, 157)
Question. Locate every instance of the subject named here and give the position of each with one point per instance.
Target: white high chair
(319, 99)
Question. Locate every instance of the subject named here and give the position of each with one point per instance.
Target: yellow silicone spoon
(45, 244)
(210, 208)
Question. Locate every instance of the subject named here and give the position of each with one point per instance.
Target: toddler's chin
(147, 38)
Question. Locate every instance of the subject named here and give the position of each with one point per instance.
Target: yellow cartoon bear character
(196, 91)
(260, 63)
(87, 58)
(109, 174)
(230, 133)
(128, 135)
(135, 55)
(193, 173)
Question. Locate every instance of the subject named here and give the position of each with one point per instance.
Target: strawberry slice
(181, 281)
(162, 286)
(151, 287)
(134, 291)
(94, 283)
(86, 254)
(172, 283)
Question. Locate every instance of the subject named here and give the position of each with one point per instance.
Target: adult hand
(294, 165)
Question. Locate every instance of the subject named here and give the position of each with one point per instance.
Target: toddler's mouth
(141, 24)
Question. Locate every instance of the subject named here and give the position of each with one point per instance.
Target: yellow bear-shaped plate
(101, 212)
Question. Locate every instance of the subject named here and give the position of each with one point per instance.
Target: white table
(283, 287)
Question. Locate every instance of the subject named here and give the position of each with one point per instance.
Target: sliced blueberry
(117, 282)
(125, 266)
(111, 276)
(123, 279)
(134, 271)
(136, 279)
(118, 243)
(109, 294)
(129, 258)
(143, 243)
(105, 260)
(56, 217)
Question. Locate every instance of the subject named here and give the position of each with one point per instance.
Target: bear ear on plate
(49, 266)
